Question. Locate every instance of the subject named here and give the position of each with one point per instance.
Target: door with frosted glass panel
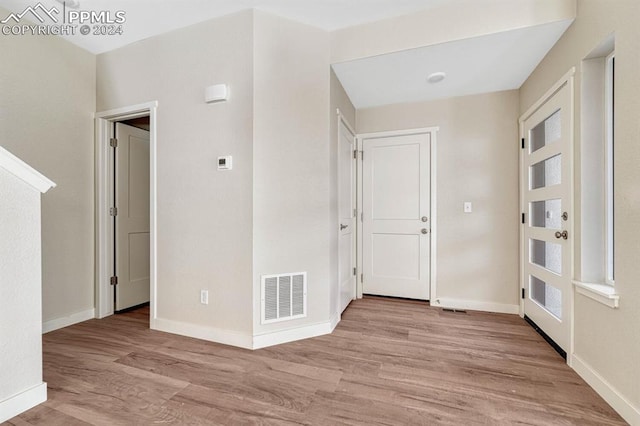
(546, 195)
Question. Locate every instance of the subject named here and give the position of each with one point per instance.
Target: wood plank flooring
(389, 362)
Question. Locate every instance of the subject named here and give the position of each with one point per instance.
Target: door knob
(343, 226)
(424, 230)
(563, 234)
(424, 218)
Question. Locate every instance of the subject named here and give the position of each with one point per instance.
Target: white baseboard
(17, 404)
(473, 305)
(619, 403)
(334, 321)
(293, 334)
(58, 323)
(225, 337)
(245, 341)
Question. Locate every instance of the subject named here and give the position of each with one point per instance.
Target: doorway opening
(130, 213)
(126, 210)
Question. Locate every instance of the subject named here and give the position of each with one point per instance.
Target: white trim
(18, 404)
(23, 171)
(128, 112)
(609, 175)
(58, 323)
(386, 134)
(293, 334)
(602, 293)
(359, 237)
(474, 305)
(247, 341)
(211, 334)
(434, 214)
(104, 226)
(334, 321)
(614, 398)
(345, 121)
(433, 132)
(544, 98)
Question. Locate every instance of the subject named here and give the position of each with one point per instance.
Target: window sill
(602, 293)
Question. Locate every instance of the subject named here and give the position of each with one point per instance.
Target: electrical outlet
(204, 297)
(468, 207)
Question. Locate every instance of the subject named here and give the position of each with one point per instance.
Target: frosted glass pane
(547, 296)
(547, 255)
(546, 214)
(546, 132)
(546, 173)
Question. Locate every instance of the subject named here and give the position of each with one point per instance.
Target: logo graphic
(69, 23)
(34, 11)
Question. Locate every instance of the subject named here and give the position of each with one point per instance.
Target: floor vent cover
(455, 311)
(284, 297)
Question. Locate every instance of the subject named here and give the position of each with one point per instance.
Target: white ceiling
(491, 63)
(146, 18)
(495, 62)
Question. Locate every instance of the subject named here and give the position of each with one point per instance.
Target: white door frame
(343, 120)
(567, 79)
(104, 200)
(432, 131)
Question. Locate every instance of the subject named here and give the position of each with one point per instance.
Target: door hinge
(523, 293)
(362, 217)
(362, 155)
(354, 213)
(354, 271)
(523, 218)
(355, 154)
(113, 211)
(361, 278)
(113, 142)
(114, 280)
(522, 143)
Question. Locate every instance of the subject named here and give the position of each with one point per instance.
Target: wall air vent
(284, 297)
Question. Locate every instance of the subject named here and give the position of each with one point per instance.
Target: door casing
(567, 79)
(360, 138)
(104, 200)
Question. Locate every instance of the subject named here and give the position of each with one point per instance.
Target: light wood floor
(388, 362)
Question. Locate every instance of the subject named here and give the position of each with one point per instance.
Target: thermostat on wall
(225, 163)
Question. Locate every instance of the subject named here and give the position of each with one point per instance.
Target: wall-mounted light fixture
(216, 93)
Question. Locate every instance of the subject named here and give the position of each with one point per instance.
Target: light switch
(467, 207)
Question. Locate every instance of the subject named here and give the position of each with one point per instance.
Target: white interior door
(396, 187)
(347, 216)
(546, 192)
(132, 266)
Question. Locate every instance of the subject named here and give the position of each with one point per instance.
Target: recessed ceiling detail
(492, 63)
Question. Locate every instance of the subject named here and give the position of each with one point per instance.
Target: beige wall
(46, 119)
(338, 100)
(432, 26)
(291, 160)
(477, 161)
(607, 340)
(204, 215)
